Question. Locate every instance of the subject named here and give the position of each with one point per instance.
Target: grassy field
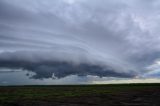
(81, 95)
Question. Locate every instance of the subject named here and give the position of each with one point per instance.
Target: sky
(79, 41)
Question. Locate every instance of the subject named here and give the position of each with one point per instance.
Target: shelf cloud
(60, 38)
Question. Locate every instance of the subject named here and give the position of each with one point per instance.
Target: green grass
(15, 93)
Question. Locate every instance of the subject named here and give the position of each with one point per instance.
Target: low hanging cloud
(53, 67)
(113, 38)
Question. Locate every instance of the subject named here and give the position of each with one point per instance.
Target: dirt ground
(145, 98)
(148, 96)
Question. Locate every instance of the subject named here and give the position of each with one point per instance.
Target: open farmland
(81, 95)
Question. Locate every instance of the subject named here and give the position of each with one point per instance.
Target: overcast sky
(64, 38)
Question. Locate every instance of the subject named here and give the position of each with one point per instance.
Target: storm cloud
(54, 68)
(60, 38)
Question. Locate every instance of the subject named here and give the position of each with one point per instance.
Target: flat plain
(81, 95)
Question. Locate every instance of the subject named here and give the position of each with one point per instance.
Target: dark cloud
(113, 38)
(46, 68)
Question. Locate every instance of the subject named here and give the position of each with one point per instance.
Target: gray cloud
(115, 38)
(45, 67)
